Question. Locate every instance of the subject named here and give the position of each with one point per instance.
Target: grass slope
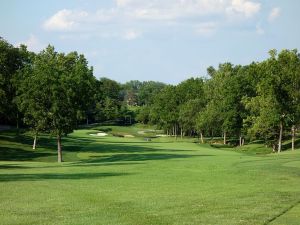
(113, 180)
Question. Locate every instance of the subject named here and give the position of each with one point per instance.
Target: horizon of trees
(55, 92)
(260, 101)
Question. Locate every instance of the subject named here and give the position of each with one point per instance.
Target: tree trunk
(293, 137)
(224, 138)
(59, 150)
(273, 147)
(240, 140)
(17, 121)
(243, 141)
(280, 137)
(87, 120)
(201, 137)
(181, 132)
(34, 141)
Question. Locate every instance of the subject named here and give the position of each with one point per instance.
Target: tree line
(256, 101)
(56, 92)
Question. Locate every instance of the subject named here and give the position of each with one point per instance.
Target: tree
(51, 92)
(289, 64)
(108, 100)
(276, 102)
(147, 91)
(188, 115)
(143, 114)
(164, 111)
(12, 59)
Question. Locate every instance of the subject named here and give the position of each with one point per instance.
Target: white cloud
(33, 44)
(168, 9)
(206, 29)
(67, 20)
(122, 3)
(141, 13)
(174, 9)
(73, 20)
(131, 35)
(274, 14)
(62, 20)
(243, 8)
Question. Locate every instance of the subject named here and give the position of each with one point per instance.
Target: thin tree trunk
(273, 147)
(280, 137)
(201, 137)
(240, 140)
(17, 121)
(224, 138)
(181, 132)
(293, 137)
(59, 150)
(243, 141)
(87, 120)
(34, 142)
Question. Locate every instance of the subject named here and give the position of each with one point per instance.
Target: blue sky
(161, 40)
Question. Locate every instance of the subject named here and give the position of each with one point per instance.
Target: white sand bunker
(100, 134)
(128, 136)
(162, 135)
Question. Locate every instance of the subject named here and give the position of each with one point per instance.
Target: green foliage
(54, 91)
(11, 60)
(57, 92)
(276, 100)
(141, 93)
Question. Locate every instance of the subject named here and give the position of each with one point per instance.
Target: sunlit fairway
(134, 181)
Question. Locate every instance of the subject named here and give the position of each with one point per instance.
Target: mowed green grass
(113, 180)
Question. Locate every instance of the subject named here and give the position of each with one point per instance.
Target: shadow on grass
(112, 152)
(127, 148)
(289, 145)
(13, 166)
(138, 157)
(18, 154)
(52, 176)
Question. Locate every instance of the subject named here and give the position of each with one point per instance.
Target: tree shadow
(13, 166)
(56, 176)
(18, 154)
(289, 145)
(126, 148)
(110, 152)
(43, 140)
(138, 157)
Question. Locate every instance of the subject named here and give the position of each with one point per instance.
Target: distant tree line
(256, 101)
(56, 92)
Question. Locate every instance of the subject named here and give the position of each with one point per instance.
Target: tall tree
(12, 59)
(54, 96)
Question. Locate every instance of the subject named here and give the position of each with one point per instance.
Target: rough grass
(114, 180)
